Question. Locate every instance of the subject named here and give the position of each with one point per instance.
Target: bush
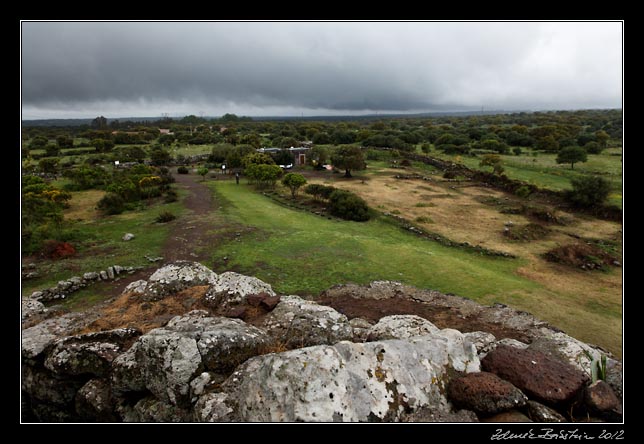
(111, 203)
(517, 150)
(449, 174)
(347, 205)
(53, 249)
(523, 191)
(588, 191)
(164, 217)
(182, 170)
(405, 162)
(293, 181)
(593, 148)
(171, 196)
(319, 191)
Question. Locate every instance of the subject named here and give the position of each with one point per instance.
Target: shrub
(449, 174)
(171, 196)
(294, 181)
(424, 220)
(347, 205)
(517, 150)
(593, 148)
(111, 203)
(182, 170)
(405, 162)
(319, 191)
(165, 216)
(54, 249)
(588, 191)
(523, 191)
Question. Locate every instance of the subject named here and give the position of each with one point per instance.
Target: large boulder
(542, 413)
(214, 407)
(231, 288)
(178, 276)
(485, 393)
(30, 308)
(88, 354)
(296, 322)
(150, 409)
(401, 327)
(371, 381)
(37, 338)
(94, 402)
(165, 360)
(538, 375)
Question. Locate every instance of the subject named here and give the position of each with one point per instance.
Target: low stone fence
(75, 283)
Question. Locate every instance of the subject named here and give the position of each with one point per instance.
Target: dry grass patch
(82, 206)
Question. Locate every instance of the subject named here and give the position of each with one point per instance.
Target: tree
(64, 141)
(263, 175)
(52, 150)
(593, 148)
(318, 155)
(257, 159)
(294, 181)
(426, 147)
(159, 156)
(602, 138)
(348, 158)
(547, 143)
(493, 160)
(48, 165)
(38, 142)
(99, 123)
(202, 172)
(572, 155)
(284, 157)
(588, 191)
(103, 145)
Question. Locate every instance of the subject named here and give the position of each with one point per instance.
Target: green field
(544, 171)
(100, 245)
(298, 252)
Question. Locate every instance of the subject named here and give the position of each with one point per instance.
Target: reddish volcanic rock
(536, 374)
(485, 393)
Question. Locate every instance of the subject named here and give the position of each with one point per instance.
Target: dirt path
(191, 234)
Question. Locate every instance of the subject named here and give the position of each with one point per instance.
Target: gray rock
(296, 322)
(401, 327)
(128, 237)
(76, 359)
(63, 285)
(428, 415)
(361, 329)
(199, 385)
(232, 288)
(165, 360)
(37, 295)
(541, 413)
(110, 272)
(349, 381)
(76, 281)
(178, 276)
(136, 287)
(35, 339)
(103, 275)
(150, 409)
(91, 276)
(31, 307)
(93, 402)
(481, 340)
(88, 354)
(41, 385)
(214, 407)
(118, 269)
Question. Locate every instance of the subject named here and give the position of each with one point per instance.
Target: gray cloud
(84, 69)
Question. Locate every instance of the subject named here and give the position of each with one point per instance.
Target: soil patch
(443, 317)
(585, 256)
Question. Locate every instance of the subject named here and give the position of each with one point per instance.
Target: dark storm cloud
(343, 67)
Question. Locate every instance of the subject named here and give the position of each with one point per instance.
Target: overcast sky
(80, 69)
